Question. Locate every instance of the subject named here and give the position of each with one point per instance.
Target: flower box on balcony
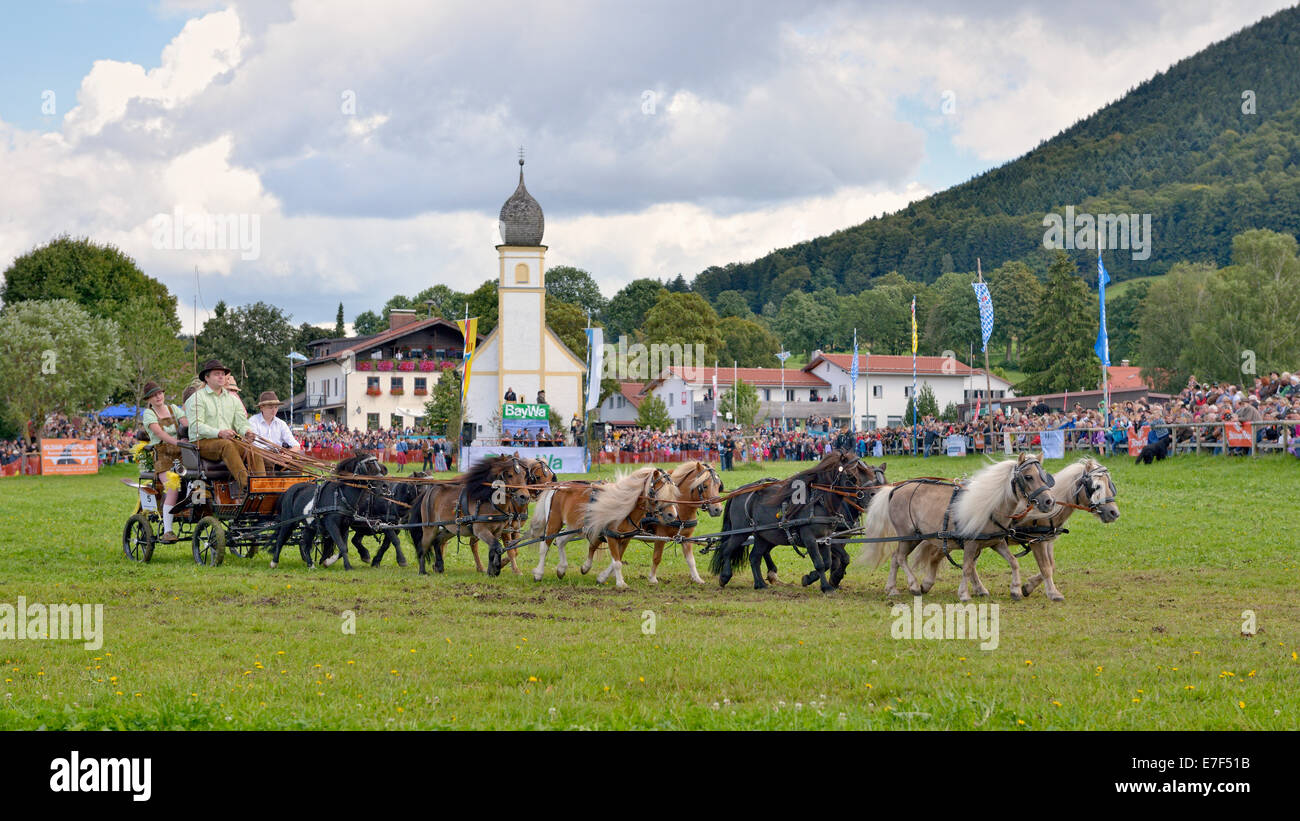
(385, 364)
(447, 365)
(421, 392)
(396, 391)
(427, 364)
(363, 365)
(406, 365)
(373, 392)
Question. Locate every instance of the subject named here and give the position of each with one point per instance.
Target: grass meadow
(1149, 637)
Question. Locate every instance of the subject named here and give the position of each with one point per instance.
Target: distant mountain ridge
(1209, 148)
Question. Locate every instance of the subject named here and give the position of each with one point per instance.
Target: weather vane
(521, 155)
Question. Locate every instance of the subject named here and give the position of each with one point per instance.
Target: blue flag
(853, 369)
(1103, 341)
(986, 311)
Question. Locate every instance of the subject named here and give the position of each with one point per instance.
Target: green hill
(1180, 147)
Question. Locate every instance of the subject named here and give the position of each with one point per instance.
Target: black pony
(797, 511)
(331, 505)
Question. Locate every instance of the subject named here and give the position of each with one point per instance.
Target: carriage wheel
(237, 548)
(209, 541)
(318, 543)
(137, 538)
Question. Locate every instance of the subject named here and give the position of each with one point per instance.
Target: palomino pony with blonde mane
(559, 510)
(698, 488)
(619, 511)
(1083, 485)
(973, 515)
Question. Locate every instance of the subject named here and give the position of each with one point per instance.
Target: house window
(395, 422)
(372, 421)
(907, 390)
(767, 394)
(521, 272)
(878, 391)
(895, 421)
(395, 385)
(789, 394)
(421, 386)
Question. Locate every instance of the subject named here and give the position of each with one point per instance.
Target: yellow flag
(469, 330)
(913, 326)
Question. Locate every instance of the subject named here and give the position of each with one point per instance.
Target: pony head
(1096, 490)
(1032, 482)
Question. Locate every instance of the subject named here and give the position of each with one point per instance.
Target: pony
(619, 511)
(330, 505)
(539, 473)
(483, 501)
(393, 507)
(559, 510)
(819, 501)
(698, 487)
(975, 515)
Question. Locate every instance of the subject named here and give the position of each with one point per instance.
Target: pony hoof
(399, 564)
(1057, 597)
(771, 577)
(585, 569)
(891, 591)
(808, 579)
(760, 585)
(537, 577)
(329, 562)
(273, 564)
(1015, 595)
(559, 573)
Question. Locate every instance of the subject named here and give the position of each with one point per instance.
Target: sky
(334, 152)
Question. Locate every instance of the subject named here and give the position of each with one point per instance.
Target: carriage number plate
(148, 502)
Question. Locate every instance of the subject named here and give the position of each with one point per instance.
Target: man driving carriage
(217, 419)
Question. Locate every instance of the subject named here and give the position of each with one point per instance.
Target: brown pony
(483, 502)
(620, 510)
(559, 509)
(696, 482)
(539, 473)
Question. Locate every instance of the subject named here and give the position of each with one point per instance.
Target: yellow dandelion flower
(1189, 687)
(1241, 705)
(1020, 721)
(1251, 674)
(401, 709)
(1029, 663)
(1057, 703)
(1136, 700)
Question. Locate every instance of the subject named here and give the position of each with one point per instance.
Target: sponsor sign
(67, 456)
(955, 445)
(560, 460)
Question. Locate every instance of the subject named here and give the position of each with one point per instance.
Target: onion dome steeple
(521, 221)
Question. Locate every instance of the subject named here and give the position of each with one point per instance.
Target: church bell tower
(521, 294)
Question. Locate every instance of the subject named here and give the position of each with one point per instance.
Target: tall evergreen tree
(1059, 352)
(339, 328)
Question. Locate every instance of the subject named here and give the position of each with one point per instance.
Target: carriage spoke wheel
(318, 543)
(137, 538)
(209, 541)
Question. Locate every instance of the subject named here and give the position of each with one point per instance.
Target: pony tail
(542, 514)
(878, 525)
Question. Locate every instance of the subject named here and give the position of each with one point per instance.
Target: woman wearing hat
(269, 426)
(163, 422)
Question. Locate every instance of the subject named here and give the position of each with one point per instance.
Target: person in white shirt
(269, 426)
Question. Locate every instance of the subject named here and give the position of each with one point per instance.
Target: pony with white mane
(973, 515)
(629, 506)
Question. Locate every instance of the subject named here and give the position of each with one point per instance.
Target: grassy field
(1149, 637)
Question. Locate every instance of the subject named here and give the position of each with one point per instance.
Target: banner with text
(63, 456)
(560, 460)
(518, 416)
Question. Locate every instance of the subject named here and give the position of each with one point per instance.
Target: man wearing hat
(217, 420)
(269, 426)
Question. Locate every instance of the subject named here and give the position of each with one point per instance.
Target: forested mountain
(1210, 148)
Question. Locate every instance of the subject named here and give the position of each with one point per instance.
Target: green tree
(340, 329)
(151, 351)
(949, 412)
(802, 322)
(653, 414)
(1059, 352)
(747, 343)
(99, 278)
(569, 322)
(741, 398)
(1122, 314)
(483, 304)
(926, 405)
(683, 319)
(1016, 293)
(628, 308)
(733, 303)
(443, 411)
(576, 287)
(1171, 308)
(254, 342)
(953, 322)
(446, 303)
(55, 357)
(368, 323)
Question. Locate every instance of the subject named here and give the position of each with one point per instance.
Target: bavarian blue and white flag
(986, 310)
(596, 360)
(853, 369)
(1103, 341)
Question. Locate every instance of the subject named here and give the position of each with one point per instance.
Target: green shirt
(149, 418)
(210, 412)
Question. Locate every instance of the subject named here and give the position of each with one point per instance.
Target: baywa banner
(561, 460)
(518, 416)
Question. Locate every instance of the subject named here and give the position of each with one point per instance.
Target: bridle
(1088, 488)
(1020, 482)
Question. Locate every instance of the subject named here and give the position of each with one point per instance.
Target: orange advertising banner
(1137, 440)
(1239, 434)
(64, 456)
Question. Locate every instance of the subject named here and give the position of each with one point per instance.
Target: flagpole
(853, 392)
(988, 378)
(913, 374)
(586, 437)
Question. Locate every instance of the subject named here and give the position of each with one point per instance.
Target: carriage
(206, 515)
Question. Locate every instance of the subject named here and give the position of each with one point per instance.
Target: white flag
(596, 358)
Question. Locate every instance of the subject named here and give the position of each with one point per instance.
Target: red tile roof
(766, 377)
(882, 364)
(1124, 377)
(632, 391)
